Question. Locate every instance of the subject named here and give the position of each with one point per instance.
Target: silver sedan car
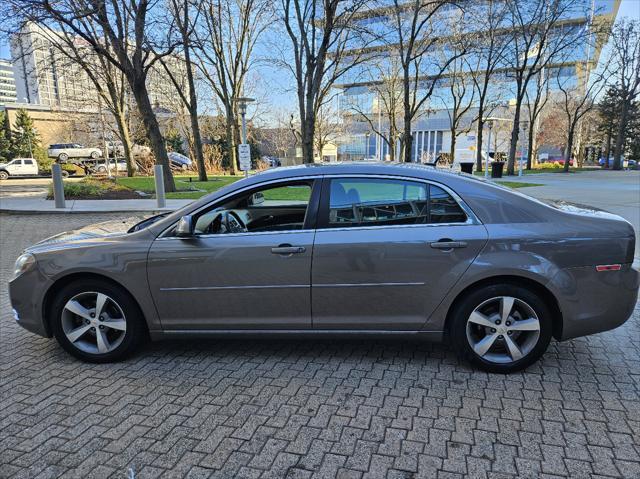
(340, 250)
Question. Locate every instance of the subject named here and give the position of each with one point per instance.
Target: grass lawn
(535, 171)
(517, 184)
(186, 189)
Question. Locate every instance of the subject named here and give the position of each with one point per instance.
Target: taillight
(608, 267)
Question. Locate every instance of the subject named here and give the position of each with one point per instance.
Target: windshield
(145, 223)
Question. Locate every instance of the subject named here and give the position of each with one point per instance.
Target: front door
(247, 265)
(386, 252)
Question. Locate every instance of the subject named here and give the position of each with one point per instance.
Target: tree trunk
(452, 149)
(513, 144)
(607, 151)
(126, 142)
(407, 138)
(569, 148)
(530, 145)
(617, 153)
(193, 112)
(480, 135)
(392, 148)
(153, 132)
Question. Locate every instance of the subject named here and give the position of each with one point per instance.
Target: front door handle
(448, 244)
(287, 249)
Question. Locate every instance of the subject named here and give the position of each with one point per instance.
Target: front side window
(381, 202)
(275, 208)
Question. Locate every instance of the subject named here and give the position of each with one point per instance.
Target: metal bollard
(157, 171)
(58, 187)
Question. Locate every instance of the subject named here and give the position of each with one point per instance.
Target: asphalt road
(312, 408)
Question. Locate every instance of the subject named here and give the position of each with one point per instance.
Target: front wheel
(63, 157)
(96, 321)
(501, 328)
(95, 155)
(4, 175)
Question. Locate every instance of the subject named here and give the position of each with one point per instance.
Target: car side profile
(360, 250)
(64, 151)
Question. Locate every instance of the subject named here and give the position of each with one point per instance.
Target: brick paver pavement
(309, 408)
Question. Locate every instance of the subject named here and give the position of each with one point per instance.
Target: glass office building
(359, 90)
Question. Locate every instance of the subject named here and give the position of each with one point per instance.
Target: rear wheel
(95, 155)
(63, 157)
(501, 328)
(96, 321)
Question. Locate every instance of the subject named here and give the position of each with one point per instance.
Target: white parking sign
(244, 156)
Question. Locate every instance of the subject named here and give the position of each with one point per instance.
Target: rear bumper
(593, 302)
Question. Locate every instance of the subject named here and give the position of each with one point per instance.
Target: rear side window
(28, 162)
(379, 202)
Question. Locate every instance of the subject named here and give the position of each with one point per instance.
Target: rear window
(380, 202)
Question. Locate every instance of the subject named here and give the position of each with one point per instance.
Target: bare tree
(226, 42)
(576, 101)
(460, 91)
(328, 128)
(418, 32)
(540, 33)
(185, 25)
(490, 55)
(535, 101)
(76, 57)
(132, 35)
(625, 64)
(327, 42)
(387, 90)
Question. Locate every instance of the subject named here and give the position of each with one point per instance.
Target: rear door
(386, 252)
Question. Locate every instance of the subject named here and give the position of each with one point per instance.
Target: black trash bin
(466, 168)
(496, 169)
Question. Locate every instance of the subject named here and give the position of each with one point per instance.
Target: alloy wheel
(94, 322)
(503, 329)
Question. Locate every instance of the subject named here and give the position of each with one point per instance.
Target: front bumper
(593, 302)
(26, 293)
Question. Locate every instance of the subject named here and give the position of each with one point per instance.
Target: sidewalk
(40, 205)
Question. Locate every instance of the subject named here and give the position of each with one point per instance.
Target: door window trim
(310, 220)
(323, 211)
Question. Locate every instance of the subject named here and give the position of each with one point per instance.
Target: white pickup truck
(19, 167)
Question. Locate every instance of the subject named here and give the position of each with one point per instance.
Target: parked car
(625, 163)
(272, 161)
(116, 148)
(64, 151)
(19, 167)
(119, 166)
(179, 161)
(404, 250)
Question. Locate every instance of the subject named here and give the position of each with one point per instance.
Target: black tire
(95, 155)
(4, 175)
(466, 305)
(65, 174)
(63, 157)
(134, 335)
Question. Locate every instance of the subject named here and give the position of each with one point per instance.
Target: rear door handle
(448, 244)
(287, 249)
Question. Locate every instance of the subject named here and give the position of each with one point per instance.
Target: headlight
(24, 263)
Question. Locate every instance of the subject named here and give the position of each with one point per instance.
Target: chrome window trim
(472, 219)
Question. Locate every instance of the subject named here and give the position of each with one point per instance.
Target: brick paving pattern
(299, 409)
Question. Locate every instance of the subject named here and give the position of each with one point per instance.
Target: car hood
(105, 229)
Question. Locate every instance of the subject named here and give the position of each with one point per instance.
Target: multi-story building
(361, 102)
(7, 83)
(47, 77)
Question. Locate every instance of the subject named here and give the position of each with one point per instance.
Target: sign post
(244, 157)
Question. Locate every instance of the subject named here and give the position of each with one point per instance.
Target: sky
(274, 95)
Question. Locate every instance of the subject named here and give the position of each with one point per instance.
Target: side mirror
(185, 227)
